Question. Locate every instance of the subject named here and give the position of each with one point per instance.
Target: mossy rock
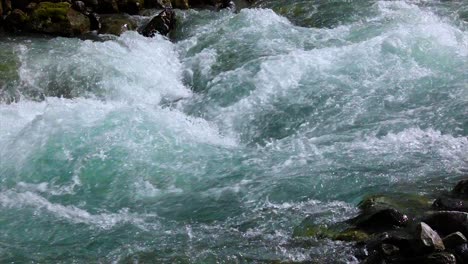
(351, 235)
(116, 24)
(410, 204)
(58, 19)
(56, 12)
(181, 4)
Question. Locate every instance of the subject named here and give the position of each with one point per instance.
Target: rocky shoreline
(77, 18)
(403, 228)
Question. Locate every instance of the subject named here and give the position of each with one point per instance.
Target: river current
(213, 146)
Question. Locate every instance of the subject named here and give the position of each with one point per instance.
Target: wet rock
(107, 7)
(455, 239)
(95, 23)
(131, 7)
(405, 203)
(461, 189)
(389, 249)
(20, 4)
(116, 24)
(163, 23)
(440, 258)
(58, 19)
(80, 6)
(447, 222)
(381, 220)
(450, 204)
(181, 4)
(352, 235)
(158, 4)
(16, 21)
(461, 253)
(7, 7)
(431, 241)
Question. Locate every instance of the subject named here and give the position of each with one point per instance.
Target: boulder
(440, 258)
(409, 204)
(447, 222)
(107, 7)
(455, 239)
(58, 19)
(181, 4)
(461, 189)
(352, 235)
(116, 24)
(158, 4)
(131, 7)
(80, 6)
(16, 21)
(382, 220)
(461, 253)
(450, 204)
(429, 238)
(163, 23)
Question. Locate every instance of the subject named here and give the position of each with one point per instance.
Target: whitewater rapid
(214, 147)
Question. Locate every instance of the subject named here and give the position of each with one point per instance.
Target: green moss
(352, 235)
(55, 11)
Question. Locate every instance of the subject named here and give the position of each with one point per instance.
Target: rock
(20, 4)
(7, 7)
(107, 7)
(431, 241)
(131, 7)
(450, 204)
(447, 222)
(461, 189)
(58, 19)
(162, 24)
(16, 21)
(95, 23)
(1, 12)
(80, 6)
(440, 258)
(352, 235)
(455, 239)
(181, 4)
(461, 253)
(405, 203)
(116, 24)
(381, 220)
(389, 249)
(158, 4)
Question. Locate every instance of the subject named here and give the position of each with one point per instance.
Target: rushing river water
(212, 147)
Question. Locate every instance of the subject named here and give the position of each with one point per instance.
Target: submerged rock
(116, 24)
(163, 23)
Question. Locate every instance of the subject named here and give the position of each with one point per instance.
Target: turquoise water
(213, 147)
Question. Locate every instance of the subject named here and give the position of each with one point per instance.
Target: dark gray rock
(163, 23)
(16, 21)
(79, 6)
(429, 238)
(382, 220)
(450, 204)
(440, 258)
(455, 239)
(116, 24)
(461, 189)
(447, 222)
(461, 253)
